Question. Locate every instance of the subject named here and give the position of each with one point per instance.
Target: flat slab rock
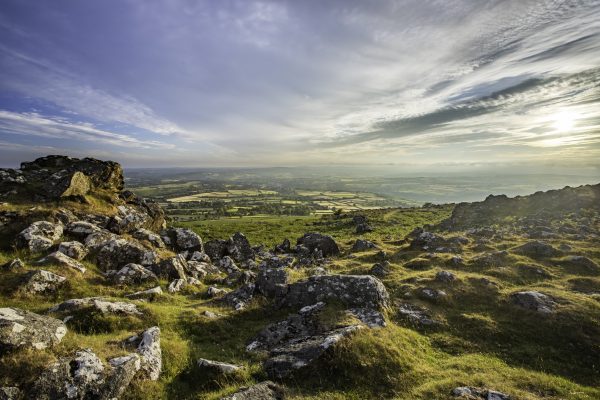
(63, 260)
(99, 304)
(20, 328)
(218, 367)
(41, 281)
(261, 391)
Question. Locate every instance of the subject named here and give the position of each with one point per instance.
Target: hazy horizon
(413, 87)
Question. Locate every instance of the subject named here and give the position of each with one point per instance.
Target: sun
(565, 120)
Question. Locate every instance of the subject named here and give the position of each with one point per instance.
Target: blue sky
(416, 85)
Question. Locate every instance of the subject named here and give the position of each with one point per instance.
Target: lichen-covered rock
(323, 243)
(445, 276)
(381, 269)
(41, 281)
(261, 391)
(536, 249)
(150, 237)
(39, 236)
(147, 345)
(58, 258)
(132, 274)
(84, 376)
(534, 301)
(433, 242)
(239, 298)
(22, 329)
(213, 291)
(172, 268)
(176, 285)
(216, 249)
(13, 265)
(75, 250)
(227, 265)
(297, 341)
(117, 253)
(431, 294)
(272, 282)
(351, 290)
(218, 367)
(10, 393)
(128, 219)
(415, 315)
(182, 239)
(474, 393)
(149, 294)
(96, 304)
(81, 229)
(239, 248)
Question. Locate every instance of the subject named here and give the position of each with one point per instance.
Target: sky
(420, 85)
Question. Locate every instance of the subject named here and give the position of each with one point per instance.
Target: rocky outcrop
(323, 243)
(351, 290)
(116, 253)
(239, 249)
(21, 329)
(181, 239)
(132, 274)
(75, 250)
(495, 209)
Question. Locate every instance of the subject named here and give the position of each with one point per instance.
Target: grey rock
(199, 256)
(445, 276)
(536, 249)
(363, 245)
(13, 265)
(59, 258)
(128, 219)
(219, 367)
(363, 228)
(116, 253)
(381, 269)
(584, 262)
(475, 393)
(323, 243)
(98, 304)
(150, 237)
(75, 250)
(182, 239)
(123, 371)
(239, 298)
(24, 329)
(430, 294)
(416, 315)
(239, 248)
(261, 391)
(227, 265)
(176, 286)
(215, 292)
(10, 393)
(351, 290)
(133, 274)
(81, 229)
(39, 236)
(172, 268)
(272, 282)
(147, 345)
(534, 301)
(95, 241)
(149, 294)
(41, 281)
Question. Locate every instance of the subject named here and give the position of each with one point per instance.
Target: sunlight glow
(565, 120)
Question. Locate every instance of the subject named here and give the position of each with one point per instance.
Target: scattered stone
(215, 292)
(445, 276)
(473, 393)
(581, 261)
(534, 301)
(13, 265)
(363, 245)
(149, 294)
(75, 250)
(494, 259)
(147, 345)
(41, 281)
(363, 228)
(416, 315)
(20, 328)
(97, 304)
(351, 290)
(218, 367)
(209, 314)
(284, 248)
(172, 268)
(63, 260)
(381, 269)
(261, 391)
(431, 294)
(323, 243)
(433, 242)
(536, 249)
(199, 256)
(418, 264)
(176, 286)
(368, 316)
(39, 236)
(132, 274)
(10, 393)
